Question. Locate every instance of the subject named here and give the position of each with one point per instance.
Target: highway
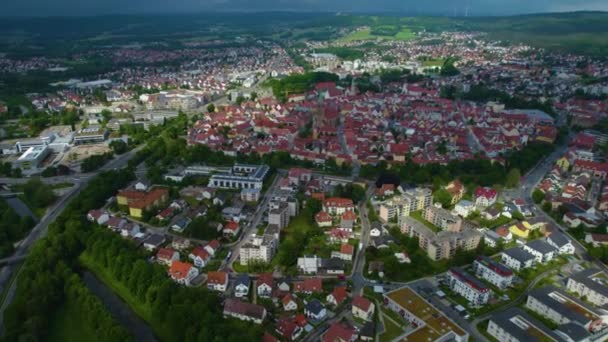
(41, 229)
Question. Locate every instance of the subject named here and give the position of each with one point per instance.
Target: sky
(411, 7)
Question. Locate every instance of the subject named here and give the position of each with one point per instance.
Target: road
(41, 229)
(357, 277)
(252, 226)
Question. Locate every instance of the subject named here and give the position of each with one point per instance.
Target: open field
(366, 34)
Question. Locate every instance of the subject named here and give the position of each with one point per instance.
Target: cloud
(475, 7)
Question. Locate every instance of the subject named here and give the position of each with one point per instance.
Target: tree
(118, 146)
(443, 196)
(240, 99)
(538, 196)
(211, 108)
(547, 207)
(513, 178)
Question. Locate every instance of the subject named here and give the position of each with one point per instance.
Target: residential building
(337, 296)
(337, 206)
(557, 306)
(485, 197)
(443, 219)
(323, 219)
(244, 311)
(515, 325)
(456, 189)
(182, 272)
(166, 256)
(542, 251)
(561, 243)
(339, 332)
(154, 241)
(395, 207)
(494, 272)
(309, 264)
(429, 322)
(261, 249)
(279, 216)
(464, 208)
(289, 303)
(518, 258)
(288, 329)
(592, 284)
(199, 256)
(265, 284)
(217, 281)
(315, 310)
(473, 290)
(308, 286)
(241, 285)
(419, 198)
(362, 308)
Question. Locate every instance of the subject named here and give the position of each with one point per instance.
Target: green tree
(211, 108)
(443, 196)
(513, 178)
(538, 196)
(118, 146)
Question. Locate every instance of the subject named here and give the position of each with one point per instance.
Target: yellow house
(521, 229)
(136, 212)
(563, 163)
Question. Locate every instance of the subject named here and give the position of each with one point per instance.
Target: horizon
(452, 8)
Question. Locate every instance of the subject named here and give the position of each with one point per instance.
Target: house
(180, 243)
(521, 229)
(244, 311)
(333, 266)
(590, 283)
(337, 296)
(504, 233)
(309, 264)
(473, 290)
(142, 186)
(339, 332)
(348, 219)
(464, 208)
(182, 272)
(362, 308)
(139, 201)
(543, 252)
(561, 243)
(231, 229)
(289, 303)
(386, 189)
(130, 230)
(166, 256)
(323, 219)
(456, 190)
(493, 272)
(376, 230)
(116, 223)
(485, 197)
(199, 256)
(337, 205)
(345, 253)
(491, 238)
(265, 284)
(241, 285)
(368, 331)
(596, 240)
(181, 224)
(491, 214)
(154, 241)
(212, 247)
(518, 258)
(315, 310)
(217, 281)
(288, 329)
(98, 216)
(308, 286)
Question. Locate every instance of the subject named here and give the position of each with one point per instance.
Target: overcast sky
(442, 7)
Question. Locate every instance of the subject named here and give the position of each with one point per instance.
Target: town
(376, 186)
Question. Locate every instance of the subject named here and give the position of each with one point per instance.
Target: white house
(543, 252)
(241, 286)
(473, 290)
(518, 258)
(561, 243)
(182, 272)
(362, 308)
(315, 310)
(289, 303)
(264, 285)
(492, 271)
(464, 208)
(199, 256)
(309, 264)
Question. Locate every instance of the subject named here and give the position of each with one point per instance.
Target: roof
(179, 270)
(200, 252)
(242, 308)
(574, 331)
(519, 254)
(339, 332)
(339, 294)
(155, 240)
(435, 325)
(593, 279)
(568, 307)
(496, 267)
(523, 326)
(486, 192)
(286, 327)
(468, 279)
(338, 202)
(558, 239)
(314, 306)
(217, 277)
(361, 303)
(165, 253)
(308, 285)
(347, 249)
(265, 278)
(541, 246)
(242, 279)
(141, 199)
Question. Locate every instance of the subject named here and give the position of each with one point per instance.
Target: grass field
(67, 325)
(366, 34)
(391, 330)
(433, 62)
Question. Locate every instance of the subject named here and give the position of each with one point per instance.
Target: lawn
(418, 216)
(366, 34)
(433, 62)
(67, 325)
(391, 330)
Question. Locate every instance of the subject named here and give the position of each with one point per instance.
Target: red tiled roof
(339, 294)
(339, 332)
(309, 285)
(218, 277)
(362, 303)
(179, 270)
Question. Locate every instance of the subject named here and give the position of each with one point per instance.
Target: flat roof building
(90, 135)
(515, 325)
(33, 157)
